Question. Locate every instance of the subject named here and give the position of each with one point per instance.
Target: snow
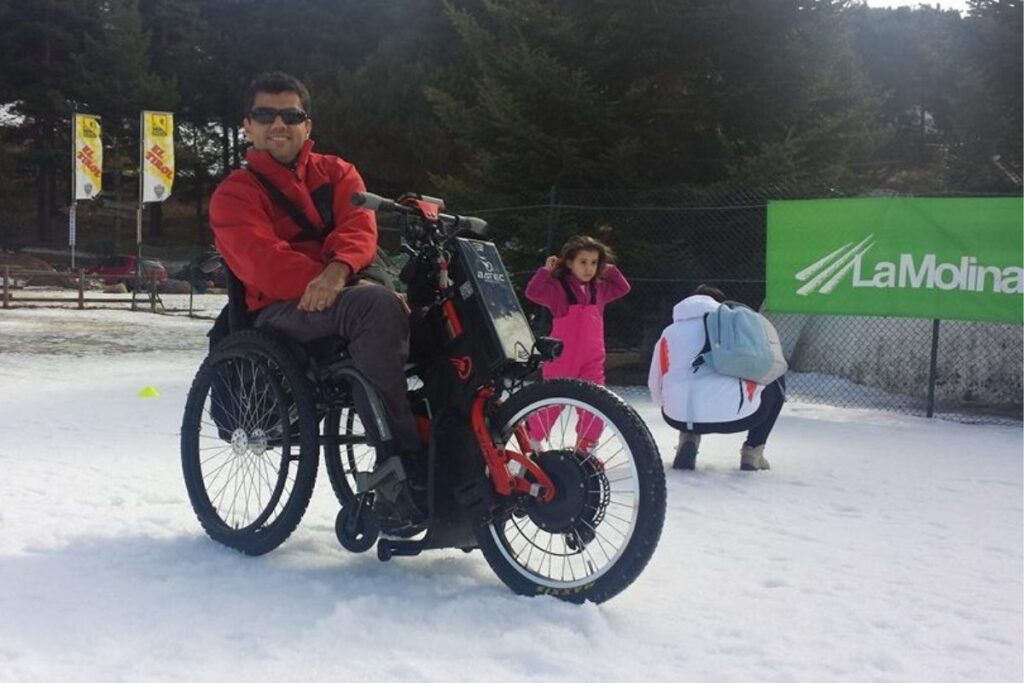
(880, 547)
(959, 5)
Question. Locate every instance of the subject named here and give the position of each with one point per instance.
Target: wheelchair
(559, 483)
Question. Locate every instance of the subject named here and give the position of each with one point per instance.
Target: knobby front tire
(599, 533)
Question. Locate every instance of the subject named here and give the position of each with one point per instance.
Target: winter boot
(400, 500)
(752, 458)
(686, 451)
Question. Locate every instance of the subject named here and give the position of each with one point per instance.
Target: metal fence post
(81, 288)
(933, 369)
(549, 246)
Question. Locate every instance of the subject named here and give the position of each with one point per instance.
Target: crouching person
(699, 400)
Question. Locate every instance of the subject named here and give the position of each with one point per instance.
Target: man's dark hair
(274, 82)
(707, 290)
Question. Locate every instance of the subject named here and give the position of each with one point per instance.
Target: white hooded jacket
(701, 395)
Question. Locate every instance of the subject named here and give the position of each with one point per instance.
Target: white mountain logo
(826, 273)
(909, 272)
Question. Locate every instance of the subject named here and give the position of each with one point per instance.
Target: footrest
(388, 548)
(390, 473)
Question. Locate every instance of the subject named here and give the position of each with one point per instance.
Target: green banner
(919, 258)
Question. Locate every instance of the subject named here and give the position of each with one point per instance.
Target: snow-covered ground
(880, 547)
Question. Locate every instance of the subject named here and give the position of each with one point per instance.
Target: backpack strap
(571, 295)
(323, 200)
(700, 359)
(697, 363)
(293, 212)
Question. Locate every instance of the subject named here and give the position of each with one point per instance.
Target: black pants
(376, 325)
(758, 424)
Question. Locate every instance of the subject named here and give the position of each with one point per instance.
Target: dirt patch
(19, 261)
(16, 260)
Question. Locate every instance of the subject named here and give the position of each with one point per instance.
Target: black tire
(250, 414)
(624, 452)
(348, 454)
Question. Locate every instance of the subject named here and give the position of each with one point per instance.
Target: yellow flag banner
(88, 156)
(157, 155)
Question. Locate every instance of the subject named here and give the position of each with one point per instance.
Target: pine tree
(115, 81)
(987, 155)
(630, 94)
(38, 44)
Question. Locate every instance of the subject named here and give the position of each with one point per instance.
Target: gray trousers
(376, 325)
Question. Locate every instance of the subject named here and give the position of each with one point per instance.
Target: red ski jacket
(265, 248)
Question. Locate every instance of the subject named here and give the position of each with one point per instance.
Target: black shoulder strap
(569, 294)
(323, 199)
(293, 211)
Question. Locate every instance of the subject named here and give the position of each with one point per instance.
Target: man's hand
(325, 287)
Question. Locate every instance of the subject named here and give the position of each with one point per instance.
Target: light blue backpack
(740, 342)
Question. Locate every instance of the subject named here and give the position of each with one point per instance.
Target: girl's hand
(551, 263)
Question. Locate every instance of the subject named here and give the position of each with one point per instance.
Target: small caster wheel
(383, 550)
(356, 532)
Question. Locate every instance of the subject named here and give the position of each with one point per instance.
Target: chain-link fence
(668, 242)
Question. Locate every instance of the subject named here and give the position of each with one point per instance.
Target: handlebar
(374, 202)
(455, 223)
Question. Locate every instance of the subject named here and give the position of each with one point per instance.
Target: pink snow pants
(582, 333)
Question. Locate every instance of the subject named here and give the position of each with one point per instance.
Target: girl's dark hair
(578, 243)
(707, 290)
(275, 82)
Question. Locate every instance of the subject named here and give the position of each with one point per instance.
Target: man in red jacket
(302, 282)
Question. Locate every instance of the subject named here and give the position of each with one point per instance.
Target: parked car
(204, 271)
(122, 269)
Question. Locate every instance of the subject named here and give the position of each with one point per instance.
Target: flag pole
(138, 208)
(74, 187)
(72, 229)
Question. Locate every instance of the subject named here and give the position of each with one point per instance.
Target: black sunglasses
(266, 115)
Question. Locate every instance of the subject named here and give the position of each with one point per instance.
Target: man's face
(282, 140)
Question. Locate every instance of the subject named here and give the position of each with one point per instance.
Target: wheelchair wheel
(249, 443)
(597, 535)
(347, 454)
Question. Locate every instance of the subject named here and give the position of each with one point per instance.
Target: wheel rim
(359, 457)
(564, 558)
(246, 454)
(353, 453)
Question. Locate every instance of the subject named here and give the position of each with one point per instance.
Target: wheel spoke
(605, 520)
(248, 480)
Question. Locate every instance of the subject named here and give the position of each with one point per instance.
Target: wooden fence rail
(11, 273)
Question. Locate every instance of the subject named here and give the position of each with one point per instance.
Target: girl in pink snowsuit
(575, 287)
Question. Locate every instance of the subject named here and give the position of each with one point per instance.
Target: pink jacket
(579, 325)
(548, 292)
